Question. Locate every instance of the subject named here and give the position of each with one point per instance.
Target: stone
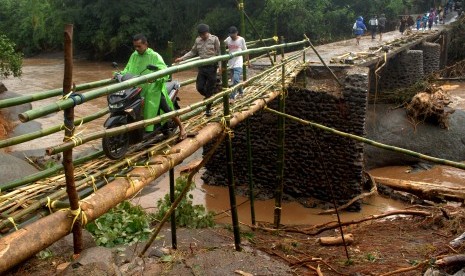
(13, 168)
(95, 254)
(2, 88)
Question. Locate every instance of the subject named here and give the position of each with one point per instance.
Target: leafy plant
(124, 224)
(10, 60)
(187, 214)
(44, 254)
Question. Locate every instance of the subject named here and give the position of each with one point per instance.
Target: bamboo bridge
(31, 218)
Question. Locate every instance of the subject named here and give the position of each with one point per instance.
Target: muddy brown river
(45, 73)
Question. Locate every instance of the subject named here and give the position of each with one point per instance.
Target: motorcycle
(127, 106)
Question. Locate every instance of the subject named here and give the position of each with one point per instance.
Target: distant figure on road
(410, 22)
(418, 22)
(373, 23)
(359, 29)
(424, 21)
(403, 23)
(381, 25)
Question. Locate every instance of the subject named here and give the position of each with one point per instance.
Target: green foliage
(10, 61)
(44, 254)
(124, 224)
(104, 29)
(187, 214)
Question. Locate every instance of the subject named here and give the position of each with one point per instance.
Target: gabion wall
(313, 158)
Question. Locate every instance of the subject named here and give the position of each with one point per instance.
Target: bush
(187, 214)
(124, 224)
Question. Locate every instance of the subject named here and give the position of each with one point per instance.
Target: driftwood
(423, 189)
(349, 239)
(432, 107)
(451, 260)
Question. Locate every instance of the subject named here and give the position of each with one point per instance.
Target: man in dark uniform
(206, 45)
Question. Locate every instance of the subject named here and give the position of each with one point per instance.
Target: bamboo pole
(169, 58)
(250, 43)
(241, 12)
(69, 132)
(323, 62)
(44, 132)
(250, 173)
(280, 158)
(174, 242)
(229, 158)
(373, 143)
(90, 95)
(51, 93)
(24, 243)
(158, 119)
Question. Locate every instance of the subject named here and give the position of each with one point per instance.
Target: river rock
(392, 127)
(12, 168)
(2, 88)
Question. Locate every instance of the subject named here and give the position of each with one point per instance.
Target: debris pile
(430, 106)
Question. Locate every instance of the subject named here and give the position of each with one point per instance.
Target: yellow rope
(105, 178)
(276, 38)
(227, 129)
(129, 162)
(93, 183)
(49, 204)
(76, 213)
(13, 222)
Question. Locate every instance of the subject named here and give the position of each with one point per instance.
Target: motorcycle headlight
(116, 105)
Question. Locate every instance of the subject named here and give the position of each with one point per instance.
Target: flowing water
(45, 73)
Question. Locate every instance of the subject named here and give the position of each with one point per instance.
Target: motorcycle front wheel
(115, 147)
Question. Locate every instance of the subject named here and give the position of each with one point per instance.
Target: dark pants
(206, 81)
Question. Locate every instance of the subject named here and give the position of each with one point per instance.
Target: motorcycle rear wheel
(115, 147)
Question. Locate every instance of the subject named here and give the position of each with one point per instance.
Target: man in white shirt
(235, 43)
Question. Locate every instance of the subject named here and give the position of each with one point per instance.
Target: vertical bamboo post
(276, 37)
(169, 55)
(229, 156)
(304, 59)
(280, 158)
(242, 11)
(69, 132)
(174, 242)
(250, 173)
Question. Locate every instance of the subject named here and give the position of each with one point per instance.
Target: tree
(10, 61)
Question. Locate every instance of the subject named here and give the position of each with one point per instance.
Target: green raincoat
(151, 92)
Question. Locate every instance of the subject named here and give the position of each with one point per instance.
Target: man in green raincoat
(155, 95)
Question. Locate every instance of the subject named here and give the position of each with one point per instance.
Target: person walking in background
(424, 20)
(206, 45)
(381, 25)
(373, 23)
(410, 22)
(418, 22)
(155, 95)
(431, 17)
(235, 43)
(359, 29)
(403, 23)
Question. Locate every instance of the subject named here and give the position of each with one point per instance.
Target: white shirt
(235, 46)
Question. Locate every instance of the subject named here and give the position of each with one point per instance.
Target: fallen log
(349, 239)
(451, 260)
(424, 190)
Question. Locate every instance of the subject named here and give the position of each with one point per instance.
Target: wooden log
(451, 260)
(423, 189)
(349, 239)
